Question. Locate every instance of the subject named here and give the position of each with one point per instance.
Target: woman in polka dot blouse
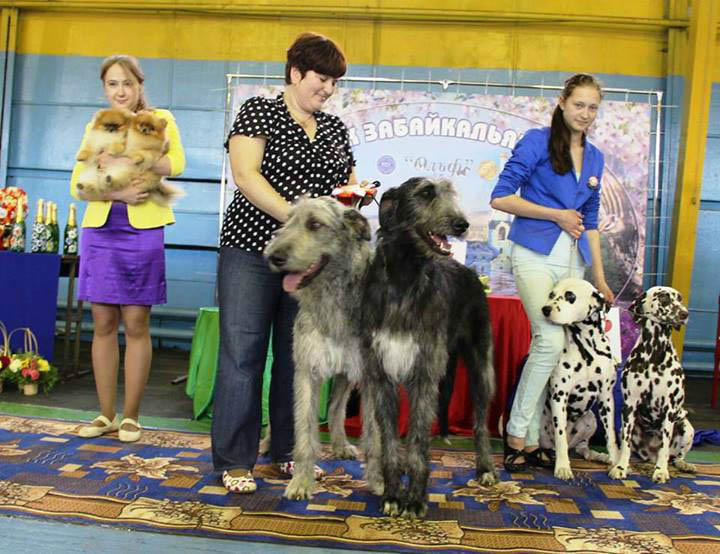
(280, 149)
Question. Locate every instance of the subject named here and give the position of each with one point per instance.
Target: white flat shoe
(129, 436)
(92, 430)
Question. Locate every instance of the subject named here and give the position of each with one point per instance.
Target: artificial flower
(592, 182)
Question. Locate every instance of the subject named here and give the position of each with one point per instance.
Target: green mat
(203, 367)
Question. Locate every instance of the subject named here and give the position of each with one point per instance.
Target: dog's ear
(357, 223)
(388, 208)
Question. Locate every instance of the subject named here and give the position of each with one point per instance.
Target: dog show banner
(467, 138)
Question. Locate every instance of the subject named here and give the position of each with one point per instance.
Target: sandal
(511, 454)
(243, 484)
(127, 435)
(541, 457)
(93, 430)
(288, 468)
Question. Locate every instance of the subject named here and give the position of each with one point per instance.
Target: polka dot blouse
(292, 163)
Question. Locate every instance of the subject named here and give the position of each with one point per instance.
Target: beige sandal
(92, 430)
(126, 435)
(288, 468)
(243, 484)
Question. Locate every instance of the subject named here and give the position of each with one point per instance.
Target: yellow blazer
(148, 214)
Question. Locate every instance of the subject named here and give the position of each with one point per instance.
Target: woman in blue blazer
(555, 236)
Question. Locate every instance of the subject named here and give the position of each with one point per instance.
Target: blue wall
(54, 96)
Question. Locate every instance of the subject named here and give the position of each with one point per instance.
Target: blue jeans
(535, 276)
(252, 302)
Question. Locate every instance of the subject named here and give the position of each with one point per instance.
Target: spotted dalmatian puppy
(655, 423)
(584, 377)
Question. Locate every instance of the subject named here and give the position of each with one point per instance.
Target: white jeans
(535, 276)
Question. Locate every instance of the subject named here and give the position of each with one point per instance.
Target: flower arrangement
(11, 198)
(29, 368)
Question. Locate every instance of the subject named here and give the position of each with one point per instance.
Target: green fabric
(203, 367)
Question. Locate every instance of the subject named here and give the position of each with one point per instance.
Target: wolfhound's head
(320, 237)
(574, 300)
(662, 305)
(427, 209)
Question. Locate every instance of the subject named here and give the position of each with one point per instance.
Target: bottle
(48, 228)
(17, 235)
(55, 229)
(37, 243)
(70, 241)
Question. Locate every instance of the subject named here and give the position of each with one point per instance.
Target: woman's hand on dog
(604, 289)
(131, 195)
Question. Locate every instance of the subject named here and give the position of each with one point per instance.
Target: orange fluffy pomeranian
(107, 134)
(145, 144)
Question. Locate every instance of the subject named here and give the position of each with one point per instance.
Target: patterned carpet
(164, 483)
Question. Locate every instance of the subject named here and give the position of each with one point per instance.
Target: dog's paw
(299, 488)
(563, 472)
(682, 465)
(595, 456)
(661, 475)
(618, 472)
(344, 452)
(391, 506)
(488, 478)
(414, 510)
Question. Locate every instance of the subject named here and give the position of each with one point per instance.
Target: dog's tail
(166, 194)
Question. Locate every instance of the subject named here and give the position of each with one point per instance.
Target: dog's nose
(460, 225)
(278, 259)
(546, 310)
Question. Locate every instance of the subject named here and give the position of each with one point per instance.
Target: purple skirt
(120, 264)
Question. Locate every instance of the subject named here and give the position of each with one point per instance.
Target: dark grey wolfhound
(325, 250)
(420, 304)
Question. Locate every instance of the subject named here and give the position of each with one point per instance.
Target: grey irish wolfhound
(325, 250)
(420, 304)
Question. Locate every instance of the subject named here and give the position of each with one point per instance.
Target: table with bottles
(32, 278)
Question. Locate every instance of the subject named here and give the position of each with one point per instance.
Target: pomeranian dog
(107, 134)
(145, 145)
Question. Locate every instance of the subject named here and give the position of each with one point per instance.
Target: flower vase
(30, 389)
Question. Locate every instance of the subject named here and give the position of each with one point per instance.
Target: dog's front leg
(423, 399)
(661, 473)
(372, 444)
(682, 443)
(384, 396)
(307, 440)
(606, 409)
(341, 448)
(622, 465)
(559, 396)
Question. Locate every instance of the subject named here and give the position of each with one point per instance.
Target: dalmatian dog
(655, 424)
(584, 377)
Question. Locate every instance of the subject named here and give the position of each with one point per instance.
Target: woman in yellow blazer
(122, 269)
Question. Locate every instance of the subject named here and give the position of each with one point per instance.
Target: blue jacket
(529, 169)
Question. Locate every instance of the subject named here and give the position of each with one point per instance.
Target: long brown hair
(311, 51)
(559, 146)
(131, 66)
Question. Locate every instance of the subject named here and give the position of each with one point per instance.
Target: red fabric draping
(511, 340)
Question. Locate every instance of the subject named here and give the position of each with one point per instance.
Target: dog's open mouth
(439, 243)
(294, 281)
